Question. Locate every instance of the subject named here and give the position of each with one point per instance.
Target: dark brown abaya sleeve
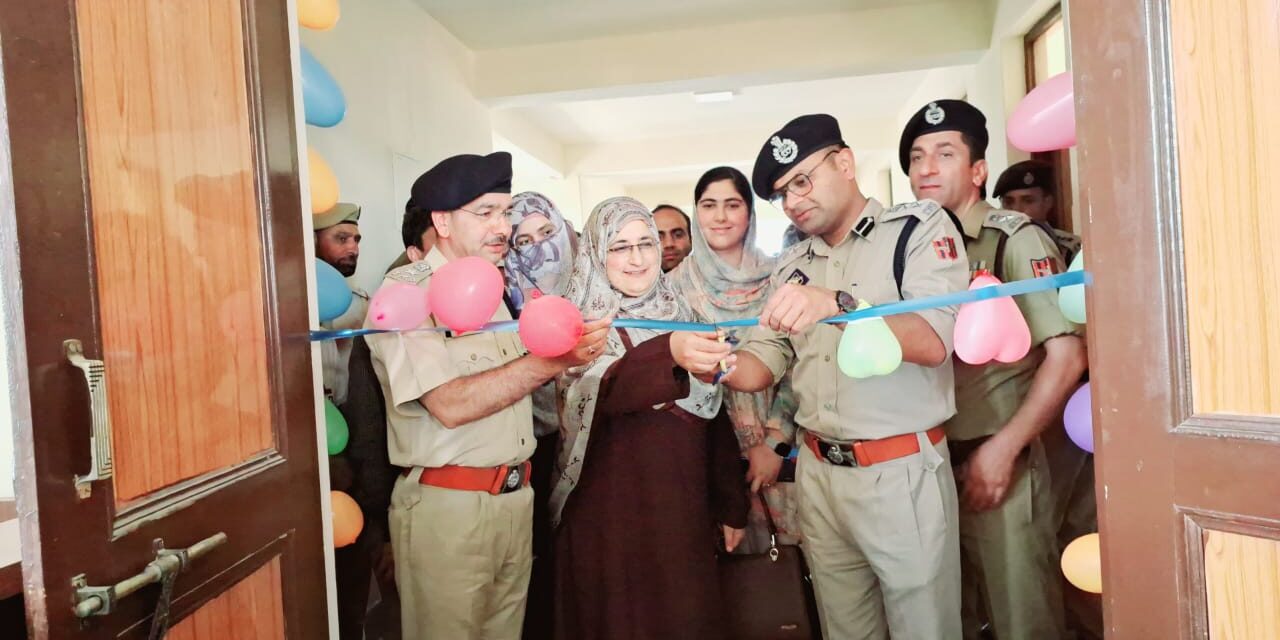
(645, 376)
(727, 481)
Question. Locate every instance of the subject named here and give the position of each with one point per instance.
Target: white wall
(6, 420)
(409, 105)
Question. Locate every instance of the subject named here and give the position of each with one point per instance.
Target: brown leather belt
(494, 480)
(864, 453)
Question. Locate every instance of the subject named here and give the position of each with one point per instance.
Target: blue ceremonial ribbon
(1021, 287)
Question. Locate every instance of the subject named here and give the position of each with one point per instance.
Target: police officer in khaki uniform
(1008, 553)
(877, 496)
(461, 516)
(1028, 187)
(338, 243)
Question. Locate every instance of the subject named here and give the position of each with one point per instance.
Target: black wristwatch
(846, 302)
(783, 449)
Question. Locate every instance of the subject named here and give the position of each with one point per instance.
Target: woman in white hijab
(644, 472)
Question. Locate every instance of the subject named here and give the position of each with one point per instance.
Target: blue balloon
(322, 99)
(332, 291)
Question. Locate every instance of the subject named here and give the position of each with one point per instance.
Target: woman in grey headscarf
(541, 255)
(644, 473)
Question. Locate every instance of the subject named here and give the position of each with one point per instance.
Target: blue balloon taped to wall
(332, 291)
(322, 99)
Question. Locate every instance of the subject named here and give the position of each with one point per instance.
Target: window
(1046, 56)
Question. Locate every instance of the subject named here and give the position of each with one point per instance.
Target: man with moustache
(1008, 552)
(673, 233)
(462, 514)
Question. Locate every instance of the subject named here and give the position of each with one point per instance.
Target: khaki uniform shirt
(913, 398)
(410, 364)
(987, 396)
(335, 355)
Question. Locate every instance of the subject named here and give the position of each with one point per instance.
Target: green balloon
(1071, 299)
(868, 348)
(335, 427)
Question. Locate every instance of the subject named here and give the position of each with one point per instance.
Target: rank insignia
(1042, 267)
(945, 248)
(797, 277)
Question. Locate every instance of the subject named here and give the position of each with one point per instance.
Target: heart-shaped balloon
(992, 329)
(399, 305)
(868, 348)
(465, 293)
(1071, 299)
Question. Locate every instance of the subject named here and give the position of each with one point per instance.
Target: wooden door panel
(1226, 136)
(169, 152)
(253, 608)
(1175, 170)
(1242, 577)
(158, 216)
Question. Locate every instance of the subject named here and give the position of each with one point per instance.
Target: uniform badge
(1042, 267)
(935, 114)
(864, 226)
(797, 277)
(1028, 179)
(784, 149)
(946, 248)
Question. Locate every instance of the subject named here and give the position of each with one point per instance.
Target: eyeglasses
(487, 212)
(646, 246)
(800, 184)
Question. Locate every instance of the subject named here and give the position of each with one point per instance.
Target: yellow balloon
(320, 15)
(1082, 563)
(324, 185)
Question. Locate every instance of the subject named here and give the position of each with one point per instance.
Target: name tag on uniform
(797, 277)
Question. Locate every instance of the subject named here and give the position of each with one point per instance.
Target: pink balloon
(465, 293)
(399, 305)
(550, 326)
(991, 329)
(1045, 120)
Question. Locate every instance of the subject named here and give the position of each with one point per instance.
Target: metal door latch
(93, 601)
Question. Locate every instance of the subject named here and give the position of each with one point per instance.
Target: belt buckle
(837, 456)
(509, 478)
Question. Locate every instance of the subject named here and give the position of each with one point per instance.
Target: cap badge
(935, 114)
(784, 149)
(1028, 179)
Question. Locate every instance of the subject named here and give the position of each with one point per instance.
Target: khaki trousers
(463, 560)
(1009, 559)
(882, 545)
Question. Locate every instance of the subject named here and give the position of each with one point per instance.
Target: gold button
(473, 357)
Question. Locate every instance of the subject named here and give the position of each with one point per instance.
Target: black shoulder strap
(904, 238)
(997, 269)
(900, 252)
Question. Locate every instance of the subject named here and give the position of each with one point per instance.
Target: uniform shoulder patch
(1008, 222)
(791, 254)
(923, 209)
(413, 273)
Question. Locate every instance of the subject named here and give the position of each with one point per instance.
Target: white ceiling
(495, 24)
(875, 97)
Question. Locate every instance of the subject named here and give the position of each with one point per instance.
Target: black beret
(458, 180)
(943, 115)
(1025, 175)
(792, 143)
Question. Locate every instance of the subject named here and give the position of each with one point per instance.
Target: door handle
(99, 601)
(95, 375)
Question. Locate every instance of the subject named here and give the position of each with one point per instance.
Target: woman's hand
(763, 466)
(732, 537)
(700, 353)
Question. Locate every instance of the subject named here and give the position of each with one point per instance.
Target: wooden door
(154, 168)
(1179, 141)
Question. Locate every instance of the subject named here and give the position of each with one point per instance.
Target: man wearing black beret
(878, 500)
(1028, 187)
(460, 421)
(1008, 541)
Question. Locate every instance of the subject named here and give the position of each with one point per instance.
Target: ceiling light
(712, 96)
